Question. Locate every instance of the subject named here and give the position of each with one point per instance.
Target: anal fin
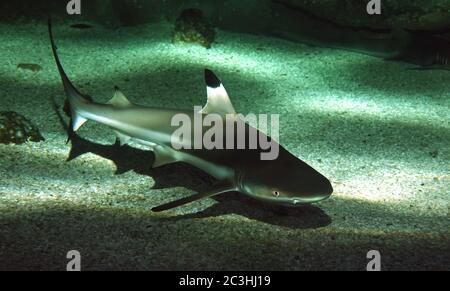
(77, 122)
(123, 139)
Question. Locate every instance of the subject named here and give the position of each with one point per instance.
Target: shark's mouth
(291, 202)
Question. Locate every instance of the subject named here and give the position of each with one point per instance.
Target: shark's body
(426, 50)
(285, 180)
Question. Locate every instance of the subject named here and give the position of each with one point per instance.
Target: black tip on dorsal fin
(211, 79)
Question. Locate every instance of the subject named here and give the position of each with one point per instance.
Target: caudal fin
(74, 98)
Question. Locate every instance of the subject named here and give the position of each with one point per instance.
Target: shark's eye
(276, 193)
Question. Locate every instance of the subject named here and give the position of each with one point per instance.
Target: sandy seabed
(379, 131)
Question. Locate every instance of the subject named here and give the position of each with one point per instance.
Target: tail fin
(74, 97)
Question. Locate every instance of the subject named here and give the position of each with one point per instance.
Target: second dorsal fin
(119, 99)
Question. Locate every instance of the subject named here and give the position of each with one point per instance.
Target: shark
(427, 50)
(285, 180)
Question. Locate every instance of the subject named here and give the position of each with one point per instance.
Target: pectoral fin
(186, 200)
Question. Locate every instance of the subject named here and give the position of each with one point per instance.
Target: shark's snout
(327, 189)
(318, 191)
(323, 190)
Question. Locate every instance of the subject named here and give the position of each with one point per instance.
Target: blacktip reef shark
(285, 180)
(425, 49)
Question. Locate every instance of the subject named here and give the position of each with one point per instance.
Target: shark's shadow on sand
(127, 159)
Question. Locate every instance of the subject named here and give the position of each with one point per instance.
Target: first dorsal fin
(119, 99)
(218, 100)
